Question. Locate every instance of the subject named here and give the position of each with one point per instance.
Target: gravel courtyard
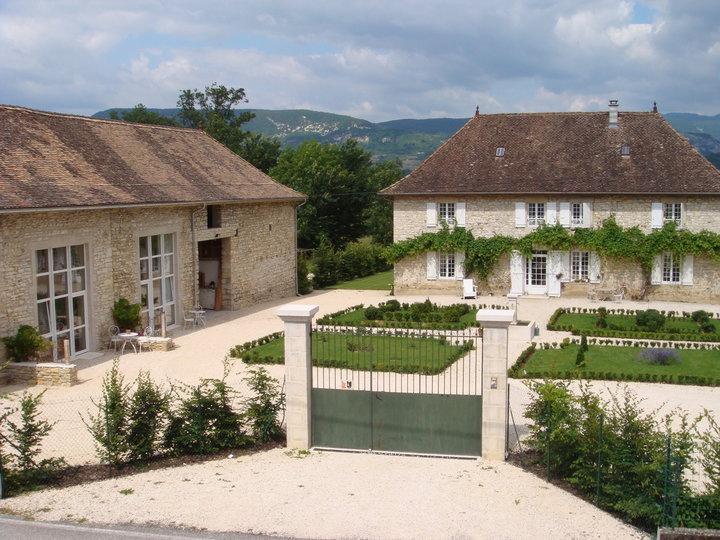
(335, 495)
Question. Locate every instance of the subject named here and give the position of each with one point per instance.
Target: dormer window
(625, 150)
(500, 151)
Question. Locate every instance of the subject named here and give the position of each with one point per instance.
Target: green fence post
(599, 460)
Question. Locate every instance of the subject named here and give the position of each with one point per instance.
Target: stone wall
(43, 374)
(495, 215)
(258, 254)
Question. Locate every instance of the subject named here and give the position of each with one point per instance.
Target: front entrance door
(536, 273)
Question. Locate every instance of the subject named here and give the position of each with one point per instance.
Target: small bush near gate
(126, 315)
(205, 421)
(659, 357)
(20, 464)
(700, 316)
(304, 286)
(109, 426)
(147, 415)
(262, 410)
(616, 454)
(25, 344)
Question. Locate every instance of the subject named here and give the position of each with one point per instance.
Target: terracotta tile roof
(50, 160)
(563, 153)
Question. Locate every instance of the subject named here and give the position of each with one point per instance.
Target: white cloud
(375, 59)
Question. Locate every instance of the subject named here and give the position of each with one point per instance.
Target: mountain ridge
(412, 140)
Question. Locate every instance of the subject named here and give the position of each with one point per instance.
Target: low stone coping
(495, 316)
(297, 311)
(41, 373)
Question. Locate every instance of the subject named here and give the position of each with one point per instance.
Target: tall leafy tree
(378, 216)
(142, 115)
(213, 110)
(335, 179)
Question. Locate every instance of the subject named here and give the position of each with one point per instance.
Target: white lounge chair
(469, 289)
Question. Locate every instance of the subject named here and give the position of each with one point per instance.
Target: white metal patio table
(128, 337)
(198, 316)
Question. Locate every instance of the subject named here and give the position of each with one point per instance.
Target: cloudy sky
(375, 59)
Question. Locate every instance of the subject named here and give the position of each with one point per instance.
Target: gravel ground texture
(335, 495)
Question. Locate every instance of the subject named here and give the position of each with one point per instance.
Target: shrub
(304, 285)
(650, 320)
(707, 328)
(700, 316)
(147, 414)
(264, 407)
(25, 344)
(372, 313)
(659, 357)
(205, 421)
(125, 314)
(326, 262)
(580, 357)
(109, 426)
(360, 259)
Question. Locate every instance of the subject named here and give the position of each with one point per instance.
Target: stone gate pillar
(495, 324)
(298, 372)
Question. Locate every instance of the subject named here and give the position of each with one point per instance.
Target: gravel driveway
(335, 495)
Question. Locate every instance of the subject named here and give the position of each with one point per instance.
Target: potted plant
(26, 344)
(126, 315)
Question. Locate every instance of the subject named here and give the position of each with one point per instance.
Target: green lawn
(427, 355)
(622, 363)
(585, 322)
(356, 317)
(381, 281)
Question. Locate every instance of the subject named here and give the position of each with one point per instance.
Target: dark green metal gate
(424, 399)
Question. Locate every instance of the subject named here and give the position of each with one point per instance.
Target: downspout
(297, 283)
(195, 255)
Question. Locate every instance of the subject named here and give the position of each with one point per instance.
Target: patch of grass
(127, 491)
(399, 354)
(622, 363)
(382, 281)
(675, 328)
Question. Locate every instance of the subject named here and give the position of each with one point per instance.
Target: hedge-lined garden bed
(393, 314)
(428, 355)
(637, 324)
(599, 362)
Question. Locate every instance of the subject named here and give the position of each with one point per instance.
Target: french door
(157, 279)
(61, 286)
(536, 273)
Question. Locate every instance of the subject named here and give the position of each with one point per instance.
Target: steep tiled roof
(563, 153)
(50, 160)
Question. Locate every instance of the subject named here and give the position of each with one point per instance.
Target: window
(536, 214)
(447, 265)
(672, 212)
(213, 216)
(500, 151)
(579, 265)
(446, 212)
(671, 266)
(576, 214)
(157, 279)
(625, 150)
(60, 280)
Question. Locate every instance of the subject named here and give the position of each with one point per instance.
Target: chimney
(613, 113)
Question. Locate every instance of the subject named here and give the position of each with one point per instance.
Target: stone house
(95, 210)
(508, 174)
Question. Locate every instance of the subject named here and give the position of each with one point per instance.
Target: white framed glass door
(157, 279)
(536, 273)
(61, 293)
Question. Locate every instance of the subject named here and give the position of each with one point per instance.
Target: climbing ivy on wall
(610, 241)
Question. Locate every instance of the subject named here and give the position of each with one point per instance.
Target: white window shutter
(656, 215)
(565, 214)
(459, 265)
(565, 266)
(656, 274)
(520, 219)
(517, 273)
(594, 268)
(587, 214)
(432, 270)
(460, 214)
(551, 213)
(431, 216)
(687, 270)
(554, 264)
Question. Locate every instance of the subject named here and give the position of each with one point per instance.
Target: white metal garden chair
(146, 338)
(115, 337)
